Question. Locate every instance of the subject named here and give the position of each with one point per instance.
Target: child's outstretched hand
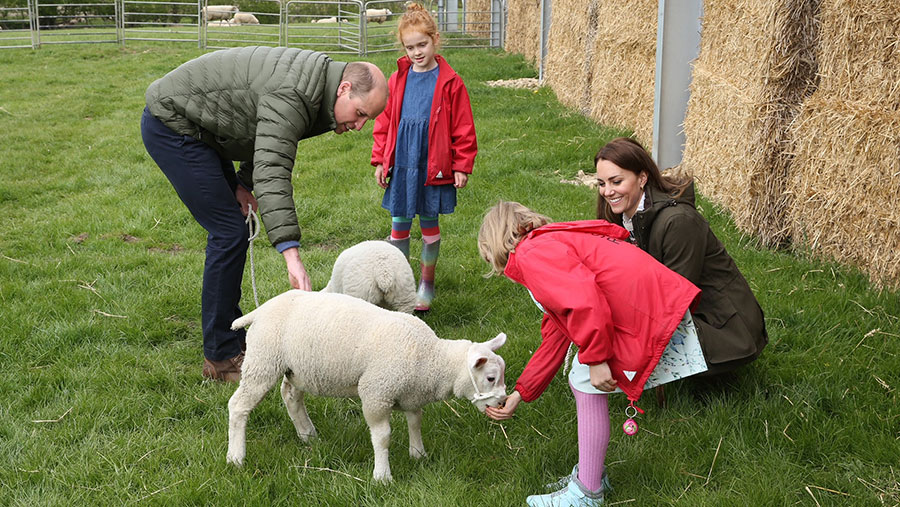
(506, 411)
(460, 179)
(601, 377)
(379, 176)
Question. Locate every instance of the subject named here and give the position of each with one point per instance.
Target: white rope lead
(253, 226)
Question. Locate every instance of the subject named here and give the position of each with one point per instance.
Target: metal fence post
(120, 22)
(677, 44)
(546, 14)
(35, 24)
(201, 25)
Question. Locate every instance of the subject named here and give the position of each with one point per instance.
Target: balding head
(362, 95)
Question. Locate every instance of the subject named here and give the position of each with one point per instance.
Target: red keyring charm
(630, 426)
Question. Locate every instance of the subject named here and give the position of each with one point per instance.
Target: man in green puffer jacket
(252, 105)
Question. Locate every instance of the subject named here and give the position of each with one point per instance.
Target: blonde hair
(503, 227)
(417, 19)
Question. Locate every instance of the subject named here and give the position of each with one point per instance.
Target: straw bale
(756, 66)
(860, 50)
(523, 29)
(478, 18)
(570, 49)
(846, 142)
(624, 66)
(846, 176)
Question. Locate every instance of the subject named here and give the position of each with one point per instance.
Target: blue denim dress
(407, 195)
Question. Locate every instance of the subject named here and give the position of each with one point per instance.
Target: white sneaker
(573, 495)
(562, 481)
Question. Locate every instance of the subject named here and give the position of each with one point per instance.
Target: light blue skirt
(681, 358)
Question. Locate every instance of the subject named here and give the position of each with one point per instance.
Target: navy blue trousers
(205, 182)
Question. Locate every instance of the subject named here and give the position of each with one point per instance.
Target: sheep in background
(378, 15)
(245, 18)
(332, 19)
(377, 272)
(219, 12)
(221, 22)
(337, 345)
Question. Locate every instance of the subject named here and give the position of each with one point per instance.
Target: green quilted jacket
(253, 105)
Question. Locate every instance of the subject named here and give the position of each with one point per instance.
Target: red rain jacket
(613, 300)
(451, 131)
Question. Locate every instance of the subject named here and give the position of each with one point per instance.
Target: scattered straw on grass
(58, 419)
(452, 409)
(528, 83)
(709, 475)
(582, 178)
(14, 260)
(305, 466)
(111, 315)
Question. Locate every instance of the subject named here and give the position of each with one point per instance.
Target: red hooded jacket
(451, 130)
(613, 300)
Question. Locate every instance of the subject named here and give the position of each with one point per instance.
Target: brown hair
(629, 154)
(503, 226)
(416, 18)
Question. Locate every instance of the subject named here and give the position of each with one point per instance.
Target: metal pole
(677, 45)
(546, 13)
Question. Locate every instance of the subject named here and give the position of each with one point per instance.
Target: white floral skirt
(681, 358)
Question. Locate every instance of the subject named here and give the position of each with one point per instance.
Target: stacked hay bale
(624, 66)
(756, 66)
(523, 29)
(603, 63)
(478, 18)
(570, 52)
(846, 172)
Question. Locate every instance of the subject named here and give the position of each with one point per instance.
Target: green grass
(99, 326)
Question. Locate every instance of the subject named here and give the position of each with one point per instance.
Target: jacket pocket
(715, 308)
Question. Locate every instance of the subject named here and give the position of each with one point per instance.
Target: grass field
(101, 398)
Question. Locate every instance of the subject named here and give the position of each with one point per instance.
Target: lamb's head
(487, 372)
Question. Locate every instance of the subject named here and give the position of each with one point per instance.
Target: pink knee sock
(593, 437)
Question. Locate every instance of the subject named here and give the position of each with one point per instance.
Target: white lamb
(332, 19)
(377, 272)
(245, 18)
(378, 15)
(337, 345)
(219, 12)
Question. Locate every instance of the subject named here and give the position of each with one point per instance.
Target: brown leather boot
(227, 370)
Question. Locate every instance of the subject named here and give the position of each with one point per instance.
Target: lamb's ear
(497, 342)
(476, 356)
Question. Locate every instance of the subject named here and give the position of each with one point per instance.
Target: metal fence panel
(16, 30)
(75, 23)
(154, 20)
(331, 26)
(262, 27)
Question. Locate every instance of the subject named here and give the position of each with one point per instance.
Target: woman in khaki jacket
(659, 213)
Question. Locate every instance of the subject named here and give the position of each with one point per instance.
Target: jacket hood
(601, 227)
(590, 226)
(656, 200)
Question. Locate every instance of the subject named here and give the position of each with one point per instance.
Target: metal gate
(333, 26)
(17, 28)
(262, 27)
(154, 20)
